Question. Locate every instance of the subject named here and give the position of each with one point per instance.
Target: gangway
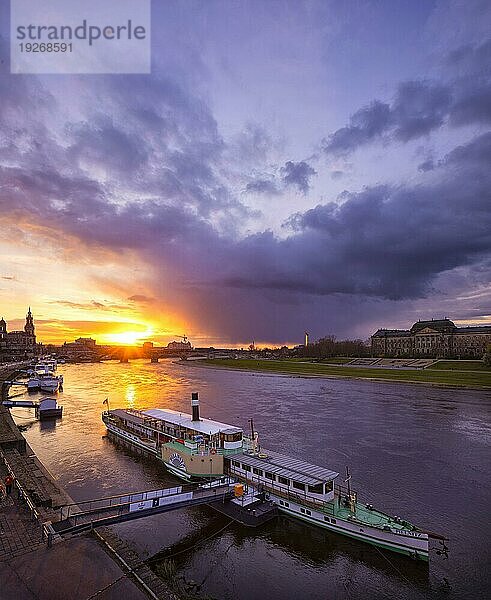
(88, 514)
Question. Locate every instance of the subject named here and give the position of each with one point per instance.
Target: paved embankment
(76, 568)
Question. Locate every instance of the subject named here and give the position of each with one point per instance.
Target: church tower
(3, 333)
(29, 330)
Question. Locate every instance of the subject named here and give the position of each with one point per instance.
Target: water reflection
(325, 557)
(413, 451)
(130, 396)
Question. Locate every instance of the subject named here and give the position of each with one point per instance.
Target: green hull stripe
(421, 554)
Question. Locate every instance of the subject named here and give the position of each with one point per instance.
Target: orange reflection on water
(130, 396)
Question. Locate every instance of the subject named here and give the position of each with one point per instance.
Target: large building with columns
(439, 338)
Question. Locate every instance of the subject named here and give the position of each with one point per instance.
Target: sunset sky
(286, 166)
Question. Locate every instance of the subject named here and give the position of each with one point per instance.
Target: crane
(183, 337)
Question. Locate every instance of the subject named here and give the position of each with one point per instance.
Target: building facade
(432, 339)
(18, 345)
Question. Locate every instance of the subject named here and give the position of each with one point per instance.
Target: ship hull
(413, 545)
(132, 439)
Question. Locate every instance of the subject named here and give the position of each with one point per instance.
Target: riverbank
(75, 568)
(440, 378)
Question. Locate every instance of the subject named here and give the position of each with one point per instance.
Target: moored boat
(49, 409)
(33, 384)
(194, 448)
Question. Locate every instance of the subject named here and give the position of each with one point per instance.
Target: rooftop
(445, 325)
(185, 420)
(290, 468)
(389, 332)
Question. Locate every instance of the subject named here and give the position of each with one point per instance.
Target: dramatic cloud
(142, 166)
(263, 186)
(92, 305)
(386, 241)
(298, 175)
(417, 109)
(292, 174)
(420, 106)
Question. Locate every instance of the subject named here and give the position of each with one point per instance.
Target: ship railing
(292, 496)
(118, 501)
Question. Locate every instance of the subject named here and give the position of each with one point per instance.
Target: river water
(416, 451)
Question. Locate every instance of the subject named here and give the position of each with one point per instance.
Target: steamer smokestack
(195, 406)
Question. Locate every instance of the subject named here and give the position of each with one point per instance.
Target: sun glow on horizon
(129, 338)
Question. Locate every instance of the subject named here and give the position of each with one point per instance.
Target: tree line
(328, 347)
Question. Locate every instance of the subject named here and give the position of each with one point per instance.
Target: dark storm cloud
(297, 174)
(263, 186)
(386, 241)
(103, 143)
(420, 106)
(366, 124)
(292, 174)
(150, 180)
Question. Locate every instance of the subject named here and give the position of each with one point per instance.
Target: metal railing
(121, 500)
(121, 508)
(290, 495)
(47, 531)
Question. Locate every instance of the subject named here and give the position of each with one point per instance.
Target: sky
(286, 166)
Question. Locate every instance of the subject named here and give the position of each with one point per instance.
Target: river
(416, 451)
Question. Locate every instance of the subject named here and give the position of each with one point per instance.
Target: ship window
(327, 519)
(302, 510)
(329, 486)
(283, 480)
(316, 489)
(236, 463)
(298, 486)
(308, 512)
(269, 475)
(281, 502)
(287, 504)
(232, 437)
(333, 521)
(246, 467)
(257, 471)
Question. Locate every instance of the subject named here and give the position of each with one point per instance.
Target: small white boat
(33, 384)
(50, 383)
(49, 409)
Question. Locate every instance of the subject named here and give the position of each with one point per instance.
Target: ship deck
(374, 518)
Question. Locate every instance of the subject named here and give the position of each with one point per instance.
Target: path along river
(416, 451)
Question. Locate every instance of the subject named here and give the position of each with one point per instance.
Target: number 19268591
(45, 47)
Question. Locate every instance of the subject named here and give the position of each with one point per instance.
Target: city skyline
(285, 167)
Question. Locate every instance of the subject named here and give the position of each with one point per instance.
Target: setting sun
(128, 337)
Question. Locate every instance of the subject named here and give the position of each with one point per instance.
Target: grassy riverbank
(455, 378)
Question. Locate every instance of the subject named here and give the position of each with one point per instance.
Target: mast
(251, 422)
